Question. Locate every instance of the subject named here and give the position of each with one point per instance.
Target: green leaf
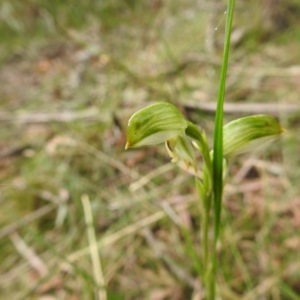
(218, 151)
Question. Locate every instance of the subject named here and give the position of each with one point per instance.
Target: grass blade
(218, 145)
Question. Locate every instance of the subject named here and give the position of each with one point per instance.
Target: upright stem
(218, 150)
(205, 238)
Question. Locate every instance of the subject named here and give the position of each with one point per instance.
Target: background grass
(109, 58)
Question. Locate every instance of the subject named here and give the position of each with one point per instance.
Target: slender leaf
(218, 145)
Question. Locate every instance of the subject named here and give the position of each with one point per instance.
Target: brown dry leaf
(296, 217)
(174, 293)
(43, 66)
(159, 294)
(54, 283)
(47, 297)
(52, 147)
(103, 59)
(293, 243)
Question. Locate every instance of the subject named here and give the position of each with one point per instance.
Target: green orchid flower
(163, 122)
(246, 134)
(158, 123)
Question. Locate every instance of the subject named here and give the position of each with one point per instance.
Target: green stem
(218, 150)
(205, 197)
(204, 188)
(205, 225)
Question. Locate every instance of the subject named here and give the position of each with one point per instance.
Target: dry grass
(97, 64)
